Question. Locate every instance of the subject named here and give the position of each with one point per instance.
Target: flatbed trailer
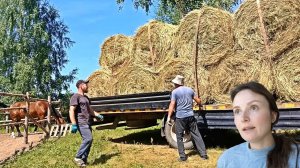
(143, 110)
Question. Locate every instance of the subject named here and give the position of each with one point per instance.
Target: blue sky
(90, 23)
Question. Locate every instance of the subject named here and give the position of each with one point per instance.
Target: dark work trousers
(190, 124)
(87, 140)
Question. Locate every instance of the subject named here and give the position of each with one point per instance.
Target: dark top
(82, 103)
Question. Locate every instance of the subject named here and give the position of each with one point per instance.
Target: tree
(171, 11)
(32, 49)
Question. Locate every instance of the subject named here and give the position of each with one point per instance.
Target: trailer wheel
(172, 140)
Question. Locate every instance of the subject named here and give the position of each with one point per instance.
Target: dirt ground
(10, 147)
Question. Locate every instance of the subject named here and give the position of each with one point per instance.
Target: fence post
(6, 127)
(26, 118)
(49, 113)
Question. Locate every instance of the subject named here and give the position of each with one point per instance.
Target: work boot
(204, 157)
(79, 162)
(182, 159)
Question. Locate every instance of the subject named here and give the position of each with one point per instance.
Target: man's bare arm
(72, 114)
(171, 108)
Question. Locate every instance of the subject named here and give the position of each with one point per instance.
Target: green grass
(135, 148)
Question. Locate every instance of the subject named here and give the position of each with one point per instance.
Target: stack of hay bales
(231, 51)
(151, 46)
(215, 42)
(116, 55)
(280, 67)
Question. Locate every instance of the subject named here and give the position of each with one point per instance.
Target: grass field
(135, 148)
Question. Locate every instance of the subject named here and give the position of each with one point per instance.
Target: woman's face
(253, 118)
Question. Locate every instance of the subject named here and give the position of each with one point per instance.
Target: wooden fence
(26, 121)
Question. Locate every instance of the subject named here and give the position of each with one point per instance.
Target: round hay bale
(215, 35)
(281, 19)
(115, 51)
(287, 76)
(133, 79)
(184, 67)
(238, 68)
(151, 45)
(172, 68)
(100, 83)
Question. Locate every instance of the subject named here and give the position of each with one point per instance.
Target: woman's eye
(236, 111)
(254, 108)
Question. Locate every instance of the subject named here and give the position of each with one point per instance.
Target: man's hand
(169, 121)
(74, 128)
(100, 117)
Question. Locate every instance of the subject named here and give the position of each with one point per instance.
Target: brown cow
(37, 109)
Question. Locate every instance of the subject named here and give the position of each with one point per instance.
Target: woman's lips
(248, 128)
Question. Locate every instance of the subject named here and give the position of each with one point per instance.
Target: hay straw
(215, 35)
(239, 67)
(151, 45)
(115, 51)
(184, 67)
(282, 20)
(172, 68)
(287, 76)
(100, 83)
(134, 79)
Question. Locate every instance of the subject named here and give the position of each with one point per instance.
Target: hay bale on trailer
(215, 42)
(115, 51)
(134, 79)
(281, 19)
(287, 75)
(151, 45)
(180, 66)
(215, 35)
(240, 67)
(101, 83)
(176, 66)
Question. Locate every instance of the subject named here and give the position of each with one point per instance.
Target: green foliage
(171, 11)
(32, 49)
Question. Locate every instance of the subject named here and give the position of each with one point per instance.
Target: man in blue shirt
(182, 102)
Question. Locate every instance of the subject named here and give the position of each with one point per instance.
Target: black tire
(171, 137)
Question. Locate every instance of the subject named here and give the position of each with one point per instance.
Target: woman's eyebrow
(253, 101)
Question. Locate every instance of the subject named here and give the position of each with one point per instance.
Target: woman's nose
(245, 115)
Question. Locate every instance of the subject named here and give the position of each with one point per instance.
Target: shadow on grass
(147, 137)
(224, 138)
(104, 158)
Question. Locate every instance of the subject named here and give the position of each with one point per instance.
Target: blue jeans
(87, 140)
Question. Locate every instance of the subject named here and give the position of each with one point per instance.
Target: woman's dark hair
(278, 157)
